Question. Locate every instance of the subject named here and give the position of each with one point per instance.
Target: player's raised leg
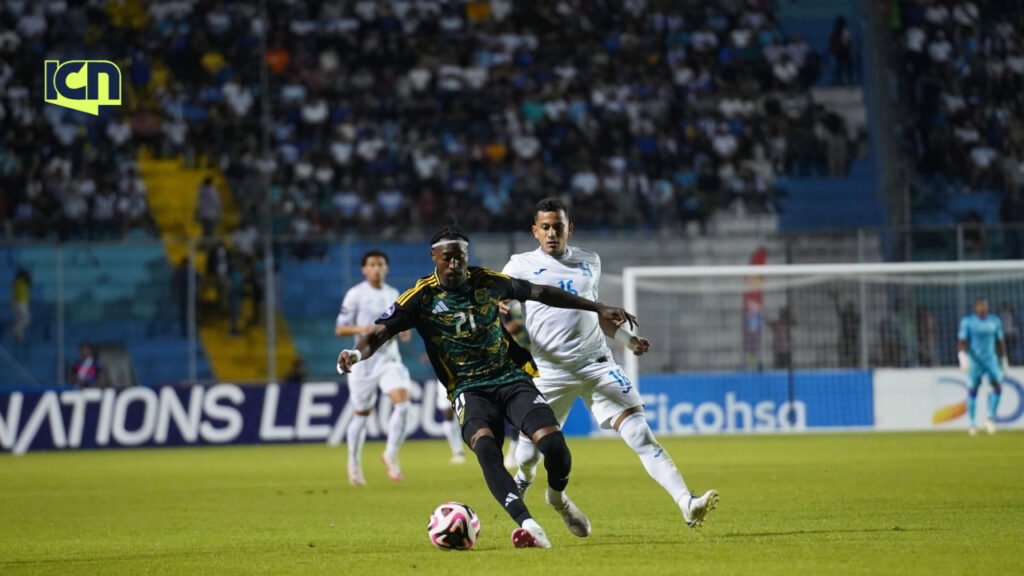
(560, 396)
(632, 426)
(528, 406)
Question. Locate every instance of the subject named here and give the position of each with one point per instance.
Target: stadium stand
(388, 117)
(960, 71)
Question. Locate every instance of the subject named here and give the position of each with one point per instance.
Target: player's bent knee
(364, 412)
(557, 459)
(399, 395)
(626, 414)
(487, 450)
(636, 432)
(544, 432)
(479, 434)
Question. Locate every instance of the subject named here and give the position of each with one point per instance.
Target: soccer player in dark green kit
(487, 375)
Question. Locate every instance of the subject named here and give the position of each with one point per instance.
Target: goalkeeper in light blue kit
(979, 348)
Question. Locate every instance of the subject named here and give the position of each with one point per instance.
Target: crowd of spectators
(63, 173)
(390, 115)
(961, 78)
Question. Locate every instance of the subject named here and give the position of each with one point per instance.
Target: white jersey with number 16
(562, 339)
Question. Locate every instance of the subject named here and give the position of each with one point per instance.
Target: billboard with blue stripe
(749, 402)
(61, 418)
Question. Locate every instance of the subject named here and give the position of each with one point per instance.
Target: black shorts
(488, 407)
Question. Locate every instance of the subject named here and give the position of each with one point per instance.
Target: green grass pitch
(938, 503)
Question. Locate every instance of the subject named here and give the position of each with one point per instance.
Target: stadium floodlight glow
(661, 295)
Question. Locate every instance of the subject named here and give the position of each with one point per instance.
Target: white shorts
(362, 390)
(604, 388)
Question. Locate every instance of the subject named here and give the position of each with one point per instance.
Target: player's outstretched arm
(365, 348)
(344, 330)
(638, 344)
(561, 299)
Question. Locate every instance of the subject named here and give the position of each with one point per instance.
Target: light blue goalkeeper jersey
(981, 335)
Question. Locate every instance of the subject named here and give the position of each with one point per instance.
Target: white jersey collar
(562, 258)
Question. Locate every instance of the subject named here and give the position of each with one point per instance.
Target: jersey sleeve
(401, 315)
(961, 334)
(519, 289)
(349, 308)
(511, 267)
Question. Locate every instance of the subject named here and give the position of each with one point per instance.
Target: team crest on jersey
(387, 313)
(481, 296)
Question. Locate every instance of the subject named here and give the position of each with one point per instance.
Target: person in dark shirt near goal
(487, 375)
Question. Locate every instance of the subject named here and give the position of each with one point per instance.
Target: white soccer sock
(638, 436)
(527, 456)
(451, 432)
(396, 428)
(355, 436)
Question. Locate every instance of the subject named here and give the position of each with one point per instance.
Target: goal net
(788, 335)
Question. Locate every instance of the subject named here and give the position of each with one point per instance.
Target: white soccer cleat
(571, 514)
(696, 509)
(522, 484)
(391, 463)
(355, 476)
(530, 538)
(972, 431)
(458, 459)
(990, 426)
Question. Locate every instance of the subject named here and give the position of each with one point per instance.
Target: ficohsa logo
(76, 84)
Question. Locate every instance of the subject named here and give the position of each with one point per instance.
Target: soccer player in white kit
(574, 360)
(362, 305)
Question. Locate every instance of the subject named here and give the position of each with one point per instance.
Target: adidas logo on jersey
(540, 399)
(439, 307)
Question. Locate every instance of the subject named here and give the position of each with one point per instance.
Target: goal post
(782, 330)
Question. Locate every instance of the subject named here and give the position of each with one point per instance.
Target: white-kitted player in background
(362, 305)
(574, 360)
